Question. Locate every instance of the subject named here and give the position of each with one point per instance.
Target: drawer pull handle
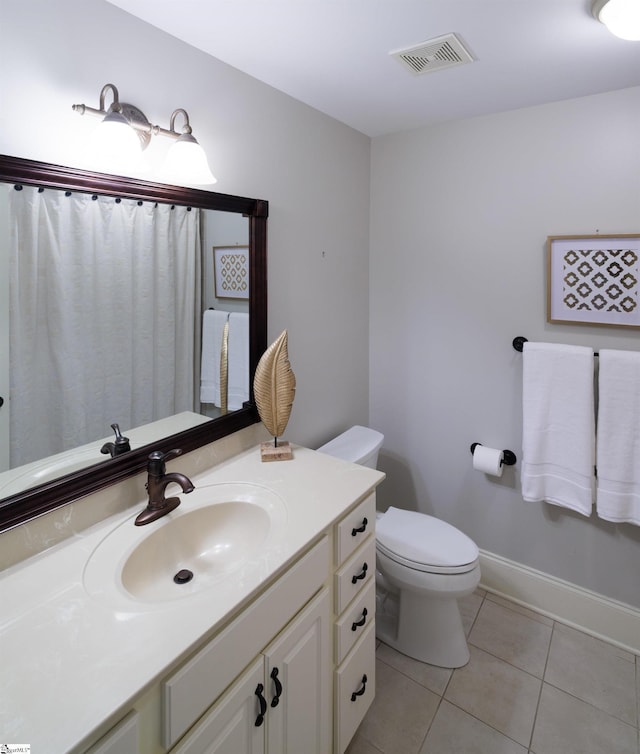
(356, 694)
(278, 685)
(354, 532)
(263, 705)
(361, 575)
(356, 624)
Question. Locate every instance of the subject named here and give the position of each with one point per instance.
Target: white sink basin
(217, 533)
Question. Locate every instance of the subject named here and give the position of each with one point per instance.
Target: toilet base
(428, 630)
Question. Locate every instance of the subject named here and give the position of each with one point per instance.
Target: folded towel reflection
(558, 444)
(618, 445)
(238, 356)
(213, 322)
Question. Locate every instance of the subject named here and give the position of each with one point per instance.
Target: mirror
(24, 504)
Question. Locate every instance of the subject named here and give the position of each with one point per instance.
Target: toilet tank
(358, 445)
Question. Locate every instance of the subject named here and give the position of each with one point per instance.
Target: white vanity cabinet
(281, 703)
(178, 672)
(292, 673)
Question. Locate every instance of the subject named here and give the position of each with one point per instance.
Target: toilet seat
(424, 543)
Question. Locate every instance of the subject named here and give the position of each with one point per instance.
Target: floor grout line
(544, 672)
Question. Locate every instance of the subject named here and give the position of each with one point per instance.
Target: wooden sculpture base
(280, 452)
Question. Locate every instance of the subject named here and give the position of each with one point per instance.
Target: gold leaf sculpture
(274, 387)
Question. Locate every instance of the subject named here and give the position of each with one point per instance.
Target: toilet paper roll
(488, 460)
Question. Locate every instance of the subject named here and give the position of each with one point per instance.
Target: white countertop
(70, 660)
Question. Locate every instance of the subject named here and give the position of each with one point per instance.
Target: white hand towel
(618, 443)
(238, 356)
(213, 322)
(558, 443)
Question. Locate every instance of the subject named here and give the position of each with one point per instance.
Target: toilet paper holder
(508, 456)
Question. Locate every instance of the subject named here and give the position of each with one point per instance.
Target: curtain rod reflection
(94, 197)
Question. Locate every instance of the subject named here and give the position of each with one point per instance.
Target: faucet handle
(172, 454)
(117, 448)
(122, 443)
(157, 460)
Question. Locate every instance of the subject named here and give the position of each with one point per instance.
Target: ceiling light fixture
(621, 17)
(125, 132)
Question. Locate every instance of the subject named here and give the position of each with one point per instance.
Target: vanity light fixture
(125, 132)
(621, 17)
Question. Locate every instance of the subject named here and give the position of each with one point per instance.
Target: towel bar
(519, 341)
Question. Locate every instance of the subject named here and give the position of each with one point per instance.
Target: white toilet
(424, 565)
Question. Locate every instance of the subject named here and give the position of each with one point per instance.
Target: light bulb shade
(114, 145)
(621, 17)
(186, 162)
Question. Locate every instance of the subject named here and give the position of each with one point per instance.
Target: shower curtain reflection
(103, 319)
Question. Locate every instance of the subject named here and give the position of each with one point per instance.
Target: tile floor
(532, 686)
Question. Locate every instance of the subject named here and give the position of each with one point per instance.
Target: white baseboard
(587, 611)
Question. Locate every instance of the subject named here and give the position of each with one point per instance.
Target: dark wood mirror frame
(33, 502)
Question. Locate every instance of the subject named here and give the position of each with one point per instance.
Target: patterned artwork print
(600, 280)
(234, 273)
(231, 264)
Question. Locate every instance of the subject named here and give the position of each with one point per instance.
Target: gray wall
(313, 171)
(459, 218)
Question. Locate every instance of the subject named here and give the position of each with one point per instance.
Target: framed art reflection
(231, 268)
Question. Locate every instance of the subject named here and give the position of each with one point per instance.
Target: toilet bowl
(424, 565)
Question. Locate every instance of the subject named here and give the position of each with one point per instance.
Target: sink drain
(183, 576)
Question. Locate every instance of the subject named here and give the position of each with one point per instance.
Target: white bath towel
(558, 443)
(238, 355)
(213, 322)
(618, 443)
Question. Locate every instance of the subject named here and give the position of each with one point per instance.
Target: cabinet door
(298, 664)
(122, 739)
(233, 725)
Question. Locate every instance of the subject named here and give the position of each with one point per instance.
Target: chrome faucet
(157, 482)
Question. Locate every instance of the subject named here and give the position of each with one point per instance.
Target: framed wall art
(594, 280)
(231, 271)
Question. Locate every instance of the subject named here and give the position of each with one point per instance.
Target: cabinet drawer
(355, 683)
(198, 683)
(348, 534)
(355, 574)
(356, 619)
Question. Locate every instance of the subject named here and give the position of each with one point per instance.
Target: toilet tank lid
(424, 539)
(355, 444)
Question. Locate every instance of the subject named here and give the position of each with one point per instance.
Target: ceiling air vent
(434, 55)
